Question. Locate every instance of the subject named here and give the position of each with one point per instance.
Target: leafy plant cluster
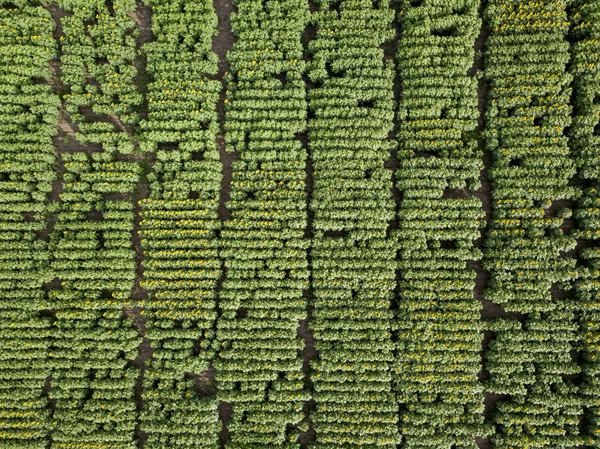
(98, 49)
(179, 225)
(439, 331)
(353, 263)
(529, 360)
(584, 141)
(259, 363)
(28, 117)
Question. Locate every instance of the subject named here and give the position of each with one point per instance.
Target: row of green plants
(93, 341)
(97, 54)
(179, 226)
(529, 361)
(439, 331)
(28, 118)
(353, 263)
(584, 142)
(92, 385)
(263, 244)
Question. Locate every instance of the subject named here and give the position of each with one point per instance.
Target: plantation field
(281, 224)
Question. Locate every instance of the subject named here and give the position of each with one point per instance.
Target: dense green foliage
(92, 252)
(179, 224)
(98, 48)
(439, 329)
(352, 263)
(530, 358)
(92, 255)
(343, 234)
(585, 143)
(259, 366)
(28, 117)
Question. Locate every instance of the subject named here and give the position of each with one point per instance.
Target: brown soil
(489, 309)
(390, 53)
(140, 362)
(227, 159)
(309, 353)
(204, 382)
(142, 191)
(222, 43)
(225, 413)
(142, 16)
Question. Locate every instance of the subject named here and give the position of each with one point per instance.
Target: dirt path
(221, 44)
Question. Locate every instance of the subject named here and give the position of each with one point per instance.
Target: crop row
(439, 331)
(92, 256)
(179, 225)
(584, 142)
(259, 366)
(526, 250)
(28, 118)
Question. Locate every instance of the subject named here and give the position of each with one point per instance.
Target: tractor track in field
(222, 43)
(489, 310)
